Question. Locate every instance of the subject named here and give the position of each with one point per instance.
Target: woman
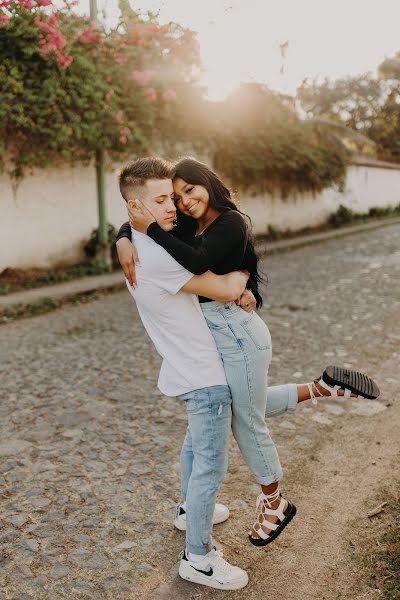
(212, 234)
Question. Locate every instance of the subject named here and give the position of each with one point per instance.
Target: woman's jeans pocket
(257, 331)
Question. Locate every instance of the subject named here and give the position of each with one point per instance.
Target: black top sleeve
(223, 235)
(124, 231)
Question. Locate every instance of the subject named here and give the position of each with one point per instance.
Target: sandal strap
(311, 388)
(277, 512)
(260, 532)
(332, 389)
(269, 525)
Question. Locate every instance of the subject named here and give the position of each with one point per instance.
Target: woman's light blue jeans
(244, 343)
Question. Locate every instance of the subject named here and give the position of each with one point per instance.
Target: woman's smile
(193, 206)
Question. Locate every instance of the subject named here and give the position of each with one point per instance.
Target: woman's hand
(247, 301)
(139, 216)
(128, 258)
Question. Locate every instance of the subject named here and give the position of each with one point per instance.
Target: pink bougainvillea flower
(169, 95)
(142, 77)
(88, 36)
(119, 57)
(63, 60)
(151, 93)
(44, 26)
(44, 2)
(4, 18)
(119, 117)
(5, 3)
(123, 135)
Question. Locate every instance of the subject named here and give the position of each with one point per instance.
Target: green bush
(91, 246)
(342, 216)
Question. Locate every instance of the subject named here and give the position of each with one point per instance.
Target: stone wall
(47, 219)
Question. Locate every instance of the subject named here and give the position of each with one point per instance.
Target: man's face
(157, 197)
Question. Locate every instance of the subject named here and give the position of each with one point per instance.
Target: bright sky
(239, 39)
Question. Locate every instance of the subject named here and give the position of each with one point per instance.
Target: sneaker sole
(356, 382)
(181, 524)
(288, 517)
(193, 577)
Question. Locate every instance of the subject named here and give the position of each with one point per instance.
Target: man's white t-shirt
(174, 321)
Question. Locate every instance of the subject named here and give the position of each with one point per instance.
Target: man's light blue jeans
(204, 460)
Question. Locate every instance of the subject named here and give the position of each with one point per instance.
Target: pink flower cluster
(89, 35)
(151, 94)
(169, 95)
(142, 77)
(4, 18)
(54, 41)
(63, 60)
(123, 135)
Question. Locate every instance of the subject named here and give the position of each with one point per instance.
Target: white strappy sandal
(284, 518)
(351, 382)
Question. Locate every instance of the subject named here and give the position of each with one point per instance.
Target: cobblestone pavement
(89, 450)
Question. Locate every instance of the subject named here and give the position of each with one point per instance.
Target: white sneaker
(213, 571)
(221, 513)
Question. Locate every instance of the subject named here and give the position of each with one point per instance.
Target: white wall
(366, 186)
(47, 220)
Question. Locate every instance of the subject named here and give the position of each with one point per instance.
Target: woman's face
(192, 200)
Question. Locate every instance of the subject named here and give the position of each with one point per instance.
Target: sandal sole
(356, 382)
(289, 514)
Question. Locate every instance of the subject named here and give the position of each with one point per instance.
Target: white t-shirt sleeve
(168, 273)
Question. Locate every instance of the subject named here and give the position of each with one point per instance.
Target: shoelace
(311, 388)
(216, 559)
(267, 498)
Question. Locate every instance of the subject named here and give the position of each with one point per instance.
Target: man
(166, 299)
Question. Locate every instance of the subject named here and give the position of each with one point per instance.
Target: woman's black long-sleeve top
(221, 248)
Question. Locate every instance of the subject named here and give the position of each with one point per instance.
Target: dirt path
(334, 483)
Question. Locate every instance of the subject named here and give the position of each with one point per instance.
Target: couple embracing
(191, 267)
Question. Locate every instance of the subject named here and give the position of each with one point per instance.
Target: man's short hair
(136, 173)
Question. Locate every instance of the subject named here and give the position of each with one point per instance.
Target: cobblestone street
(89, 450)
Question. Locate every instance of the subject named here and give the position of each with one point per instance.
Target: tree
(70, 90)
(261, 142)
(362, 104)
(353, 101)
(386, 127)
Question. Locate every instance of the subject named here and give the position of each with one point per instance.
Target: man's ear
(132, 203)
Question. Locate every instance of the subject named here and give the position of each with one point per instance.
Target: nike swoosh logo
(208, 573)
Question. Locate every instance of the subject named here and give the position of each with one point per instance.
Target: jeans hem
(270, 478)
(198, 549)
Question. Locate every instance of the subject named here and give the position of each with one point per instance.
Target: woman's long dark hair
(197, 173)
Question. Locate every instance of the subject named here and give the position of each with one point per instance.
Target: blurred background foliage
(69, 89)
